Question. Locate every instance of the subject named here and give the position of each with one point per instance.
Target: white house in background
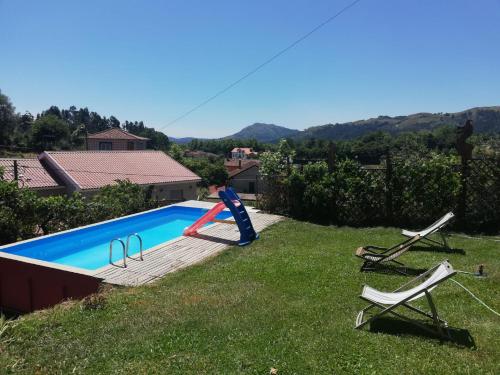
(243, 153)
(88, 171)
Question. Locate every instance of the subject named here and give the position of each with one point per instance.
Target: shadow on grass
(393, 270)
(215, 239)
(458, 336)
(438, 249)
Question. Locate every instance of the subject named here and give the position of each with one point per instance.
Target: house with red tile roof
(234, 164)
(243, 153)
(31, 174)
(88, 171)
(115, 139)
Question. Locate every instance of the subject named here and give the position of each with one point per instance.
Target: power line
(259, 67)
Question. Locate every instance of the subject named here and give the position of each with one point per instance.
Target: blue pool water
(88, 248)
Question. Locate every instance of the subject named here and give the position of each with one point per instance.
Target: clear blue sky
(154, 60)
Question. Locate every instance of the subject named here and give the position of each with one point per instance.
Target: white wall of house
(238, 155)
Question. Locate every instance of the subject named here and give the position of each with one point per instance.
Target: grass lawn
(287, 301)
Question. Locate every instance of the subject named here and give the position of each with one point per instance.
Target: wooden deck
(182, 252)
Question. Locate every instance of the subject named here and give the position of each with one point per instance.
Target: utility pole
(16, 172)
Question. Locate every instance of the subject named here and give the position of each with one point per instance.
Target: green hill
(264, 132)
(486, 120)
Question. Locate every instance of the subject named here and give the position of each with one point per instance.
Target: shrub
(18, 219)
(414, 192)
(424, 188)
(23, 214)
(124, 198)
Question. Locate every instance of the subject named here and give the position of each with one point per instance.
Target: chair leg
(445, 241)
(442, 243)
(435, 317)
(367, 266)
(359, 319)
(417, 310)
(390, 310)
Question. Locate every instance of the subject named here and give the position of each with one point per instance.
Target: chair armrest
(419, 277)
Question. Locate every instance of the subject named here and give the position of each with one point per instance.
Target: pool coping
(93, 273)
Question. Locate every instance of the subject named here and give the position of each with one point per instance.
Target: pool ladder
(125, 248)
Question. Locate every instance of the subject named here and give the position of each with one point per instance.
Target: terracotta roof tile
(31, 173)
(95, 169)
(235, 172)
(245, 150)
(244, 162)
(116, 133)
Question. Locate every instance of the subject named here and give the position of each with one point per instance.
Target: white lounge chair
(433, 228)
(376, 256)
(388, 302)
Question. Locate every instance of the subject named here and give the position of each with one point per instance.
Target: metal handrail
(111, 252)
(140, 244)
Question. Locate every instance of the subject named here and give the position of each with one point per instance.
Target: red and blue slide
(232, 201)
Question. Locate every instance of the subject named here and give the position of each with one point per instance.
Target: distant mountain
(486, 120)
(265, 132)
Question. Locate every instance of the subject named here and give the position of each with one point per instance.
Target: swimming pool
(88, 247)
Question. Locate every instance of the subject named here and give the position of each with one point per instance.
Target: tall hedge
(24, 215)
(413, 192)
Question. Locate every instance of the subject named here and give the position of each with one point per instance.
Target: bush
(360, 194)
(425, 188)
(24, 215)
(414, 192)
(122, 199)
(18, 219)
(211, 171)
(60, 213)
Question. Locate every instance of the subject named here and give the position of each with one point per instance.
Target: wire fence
(400, 192)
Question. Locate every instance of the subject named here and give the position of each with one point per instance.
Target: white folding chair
(376, 256)
(431, 229)
(388, 302)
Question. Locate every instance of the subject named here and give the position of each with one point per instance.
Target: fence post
(16, 171)
(389, 213)
(332, 158)
(465, 151)
(462, 202)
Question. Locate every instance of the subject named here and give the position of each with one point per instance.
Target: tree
(113, 122)
(53, 110)
(176, 152)
(276, 163)
(7, 119)
(18, 218)
(157, 140)
(49, 132)
(124, 198)
(212, 172)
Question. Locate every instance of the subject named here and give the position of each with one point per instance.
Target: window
(130, 145)
(105, 146)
